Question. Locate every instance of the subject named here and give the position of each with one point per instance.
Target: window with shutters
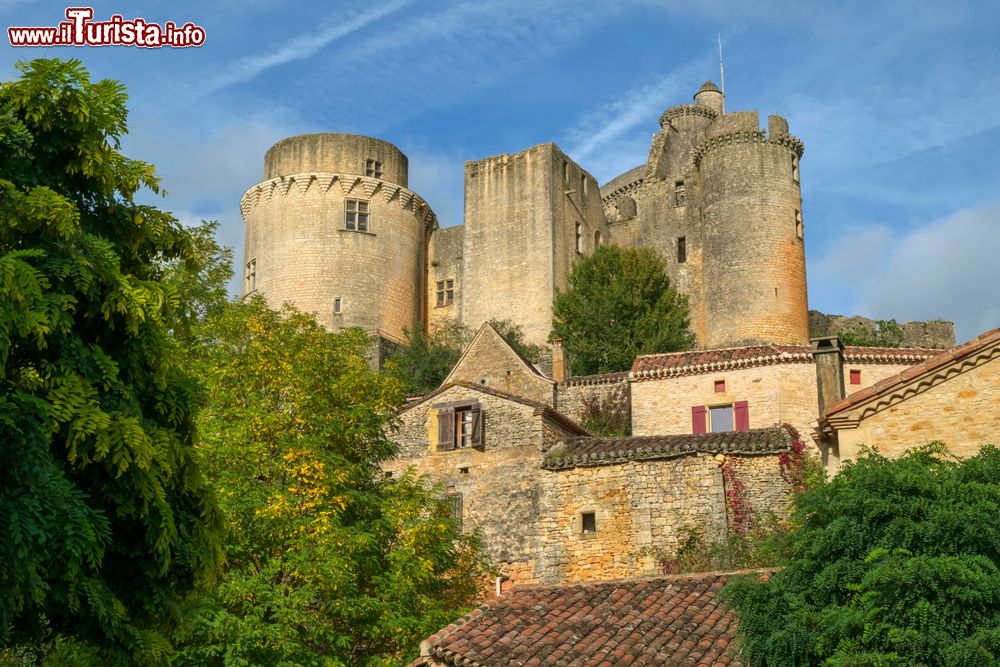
(720, 418)
(460, 425)
(856, 377)
(356, 215)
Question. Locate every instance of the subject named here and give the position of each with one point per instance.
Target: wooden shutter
(446, 429)
(477, 426)
(741, 415)
(698, 420)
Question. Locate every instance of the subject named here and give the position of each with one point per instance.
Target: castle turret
(753, 256)
(710, 96)
(334, 230)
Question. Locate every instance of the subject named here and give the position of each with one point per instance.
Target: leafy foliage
(106, 522)
(329, 563)
(892, 562)
(423, 361)
(619, 305)
(514, 335)
(885, 333)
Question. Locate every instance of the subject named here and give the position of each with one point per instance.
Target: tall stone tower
(334, 230)
(719, 199)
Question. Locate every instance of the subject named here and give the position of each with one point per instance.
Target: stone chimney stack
(560, 364)
(828, 354)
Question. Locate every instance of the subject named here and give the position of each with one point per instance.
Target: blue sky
(898, 104)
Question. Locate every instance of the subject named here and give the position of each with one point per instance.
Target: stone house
(953, 397)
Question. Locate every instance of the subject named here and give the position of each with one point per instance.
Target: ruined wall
(931, 334)
(963, 412)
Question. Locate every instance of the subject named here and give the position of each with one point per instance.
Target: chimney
(560, 364)
(828, 355)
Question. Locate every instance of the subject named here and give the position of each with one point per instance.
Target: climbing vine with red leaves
(792, 463)
(740, 512)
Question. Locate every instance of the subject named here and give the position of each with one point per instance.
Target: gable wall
(963, 412)
(489, 358)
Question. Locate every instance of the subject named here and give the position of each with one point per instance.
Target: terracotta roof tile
(935, 362)
(673, 364)
(594, 451)
(600, 378)
(663, 621)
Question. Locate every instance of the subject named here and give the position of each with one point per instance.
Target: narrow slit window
(682, 251)
(579, 238)
(583, 179)
(680, 195)
(337, 303)
(798, 223)
(566, 171)
(795, 168)
(251, 275)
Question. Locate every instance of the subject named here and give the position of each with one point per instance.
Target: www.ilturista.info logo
(81, 30)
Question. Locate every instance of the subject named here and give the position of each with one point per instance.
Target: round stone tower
(333, 230)
(754, 267)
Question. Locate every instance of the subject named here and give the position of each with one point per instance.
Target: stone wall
(963, 412)
(573, 394)
(937, 334)
(445, 254)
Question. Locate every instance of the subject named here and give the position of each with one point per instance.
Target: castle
(334, 229)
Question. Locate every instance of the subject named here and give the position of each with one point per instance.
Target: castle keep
(334, 230)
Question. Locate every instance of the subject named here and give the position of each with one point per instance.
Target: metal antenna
(722, 75)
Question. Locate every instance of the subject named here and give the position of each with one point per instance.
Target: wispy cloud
(299, 48)
(608, 139)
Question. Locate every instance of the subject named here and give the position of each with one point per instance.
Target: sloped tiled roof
(592, 451)
(664, 621)
(893, 382)
(672, 364)
(540, 408)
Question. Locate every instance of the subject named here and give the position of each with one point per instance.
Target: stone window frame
(579, 238)
(250, 276)
(338, 305)
(716, 406)
(445, 292)
(795, 168)
(453, 419)
(373, 168)
(719, 385)
(583, 180)
(682, 254)
(799, 231)
(579, 522)
(358, 215)
(680, 193)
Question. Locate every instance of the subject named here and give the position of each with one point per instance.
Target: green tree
(105, 520)
(328, 562)
(424, 360)
(892, 562)
(619, 305)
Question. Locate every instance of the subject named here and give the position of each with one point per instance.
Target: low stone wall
(931, 334)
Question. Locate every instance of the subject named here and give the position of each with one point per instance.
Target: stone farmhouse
(716, 431)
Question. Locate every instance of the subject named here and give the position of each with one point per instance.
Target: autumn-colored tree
(329, 562)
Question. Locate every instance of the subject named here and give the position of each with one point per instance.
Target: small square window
(588, 522)
(721, 417)
(356, 215)
(720, 386)
(680, 195)
(682, 250)
(855, 377)
(373, 168)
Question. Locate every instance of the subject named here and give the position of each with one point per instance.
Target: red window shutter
(698, 420)
(446, 429)
(741, 415)
(855, 377)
